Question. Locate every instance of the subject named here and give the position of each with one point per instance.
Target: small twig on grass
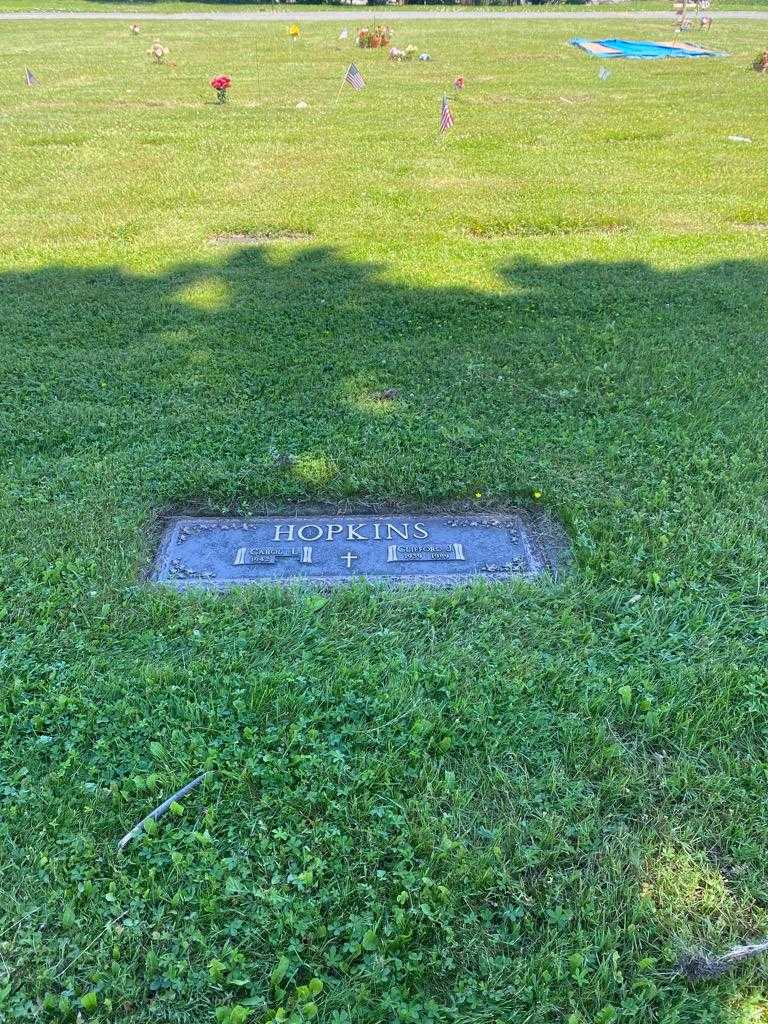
(20, 922)
(160, 811)
(92, 943)
(703, 967)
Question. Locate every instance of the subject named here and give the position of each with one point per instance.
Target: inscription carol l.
(436, 549)
(269, 556)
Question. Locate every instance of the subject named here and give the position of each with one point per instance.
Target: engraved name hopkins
(350, 531)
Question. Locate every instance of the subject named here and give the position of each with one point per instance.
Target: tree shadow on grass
(630, 398)
(481, 807)
(574, 378)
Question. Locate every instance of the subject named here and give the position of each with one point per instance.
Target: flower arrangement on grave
(408, 53)
(374, 38)
(458, 82)
(158, 52)
(760, 64)
(220, 85)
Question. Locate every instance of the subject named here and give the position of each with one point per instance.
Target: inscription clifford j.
(222, 552)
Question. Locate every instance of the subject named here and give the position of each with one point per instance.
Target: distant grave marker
(438, 549)
(261, 237)
(684, 22)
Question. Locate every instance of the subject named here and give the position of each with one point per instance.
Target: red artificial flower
(459, 82)
(221, 82)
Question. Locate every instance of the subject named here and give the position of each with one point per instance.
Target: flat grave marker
(438, 549)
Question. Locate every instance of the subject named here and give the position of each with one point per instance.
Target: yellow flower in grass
(536, 495)
(478, 494)
(294, 31)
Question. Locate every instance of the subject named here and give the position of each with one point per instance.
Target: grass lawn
(503, 803)
(355, 14)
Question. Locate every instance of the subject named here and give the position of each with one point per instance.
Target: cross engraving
(349, 558)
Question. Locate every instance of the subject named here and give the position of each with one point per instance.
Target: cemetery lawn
(354, 14)
(503, 803)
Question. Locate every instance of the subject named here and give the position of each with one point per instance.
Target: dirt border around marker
(553, 547)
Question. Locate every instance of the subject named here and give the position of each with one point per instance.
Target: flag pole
(338, 94)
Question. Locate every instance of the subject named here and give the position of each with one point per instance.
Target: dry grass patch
(261, 237)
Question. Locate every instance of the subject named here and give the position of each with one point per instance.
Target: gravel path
(365, 14)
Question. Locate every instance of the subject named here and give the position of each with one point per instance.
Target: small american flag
(29, 78)
(446, 117)
(603, 74)
(354, 78)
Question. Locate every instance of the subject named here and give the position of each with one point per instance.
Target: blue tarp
(641, 50)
